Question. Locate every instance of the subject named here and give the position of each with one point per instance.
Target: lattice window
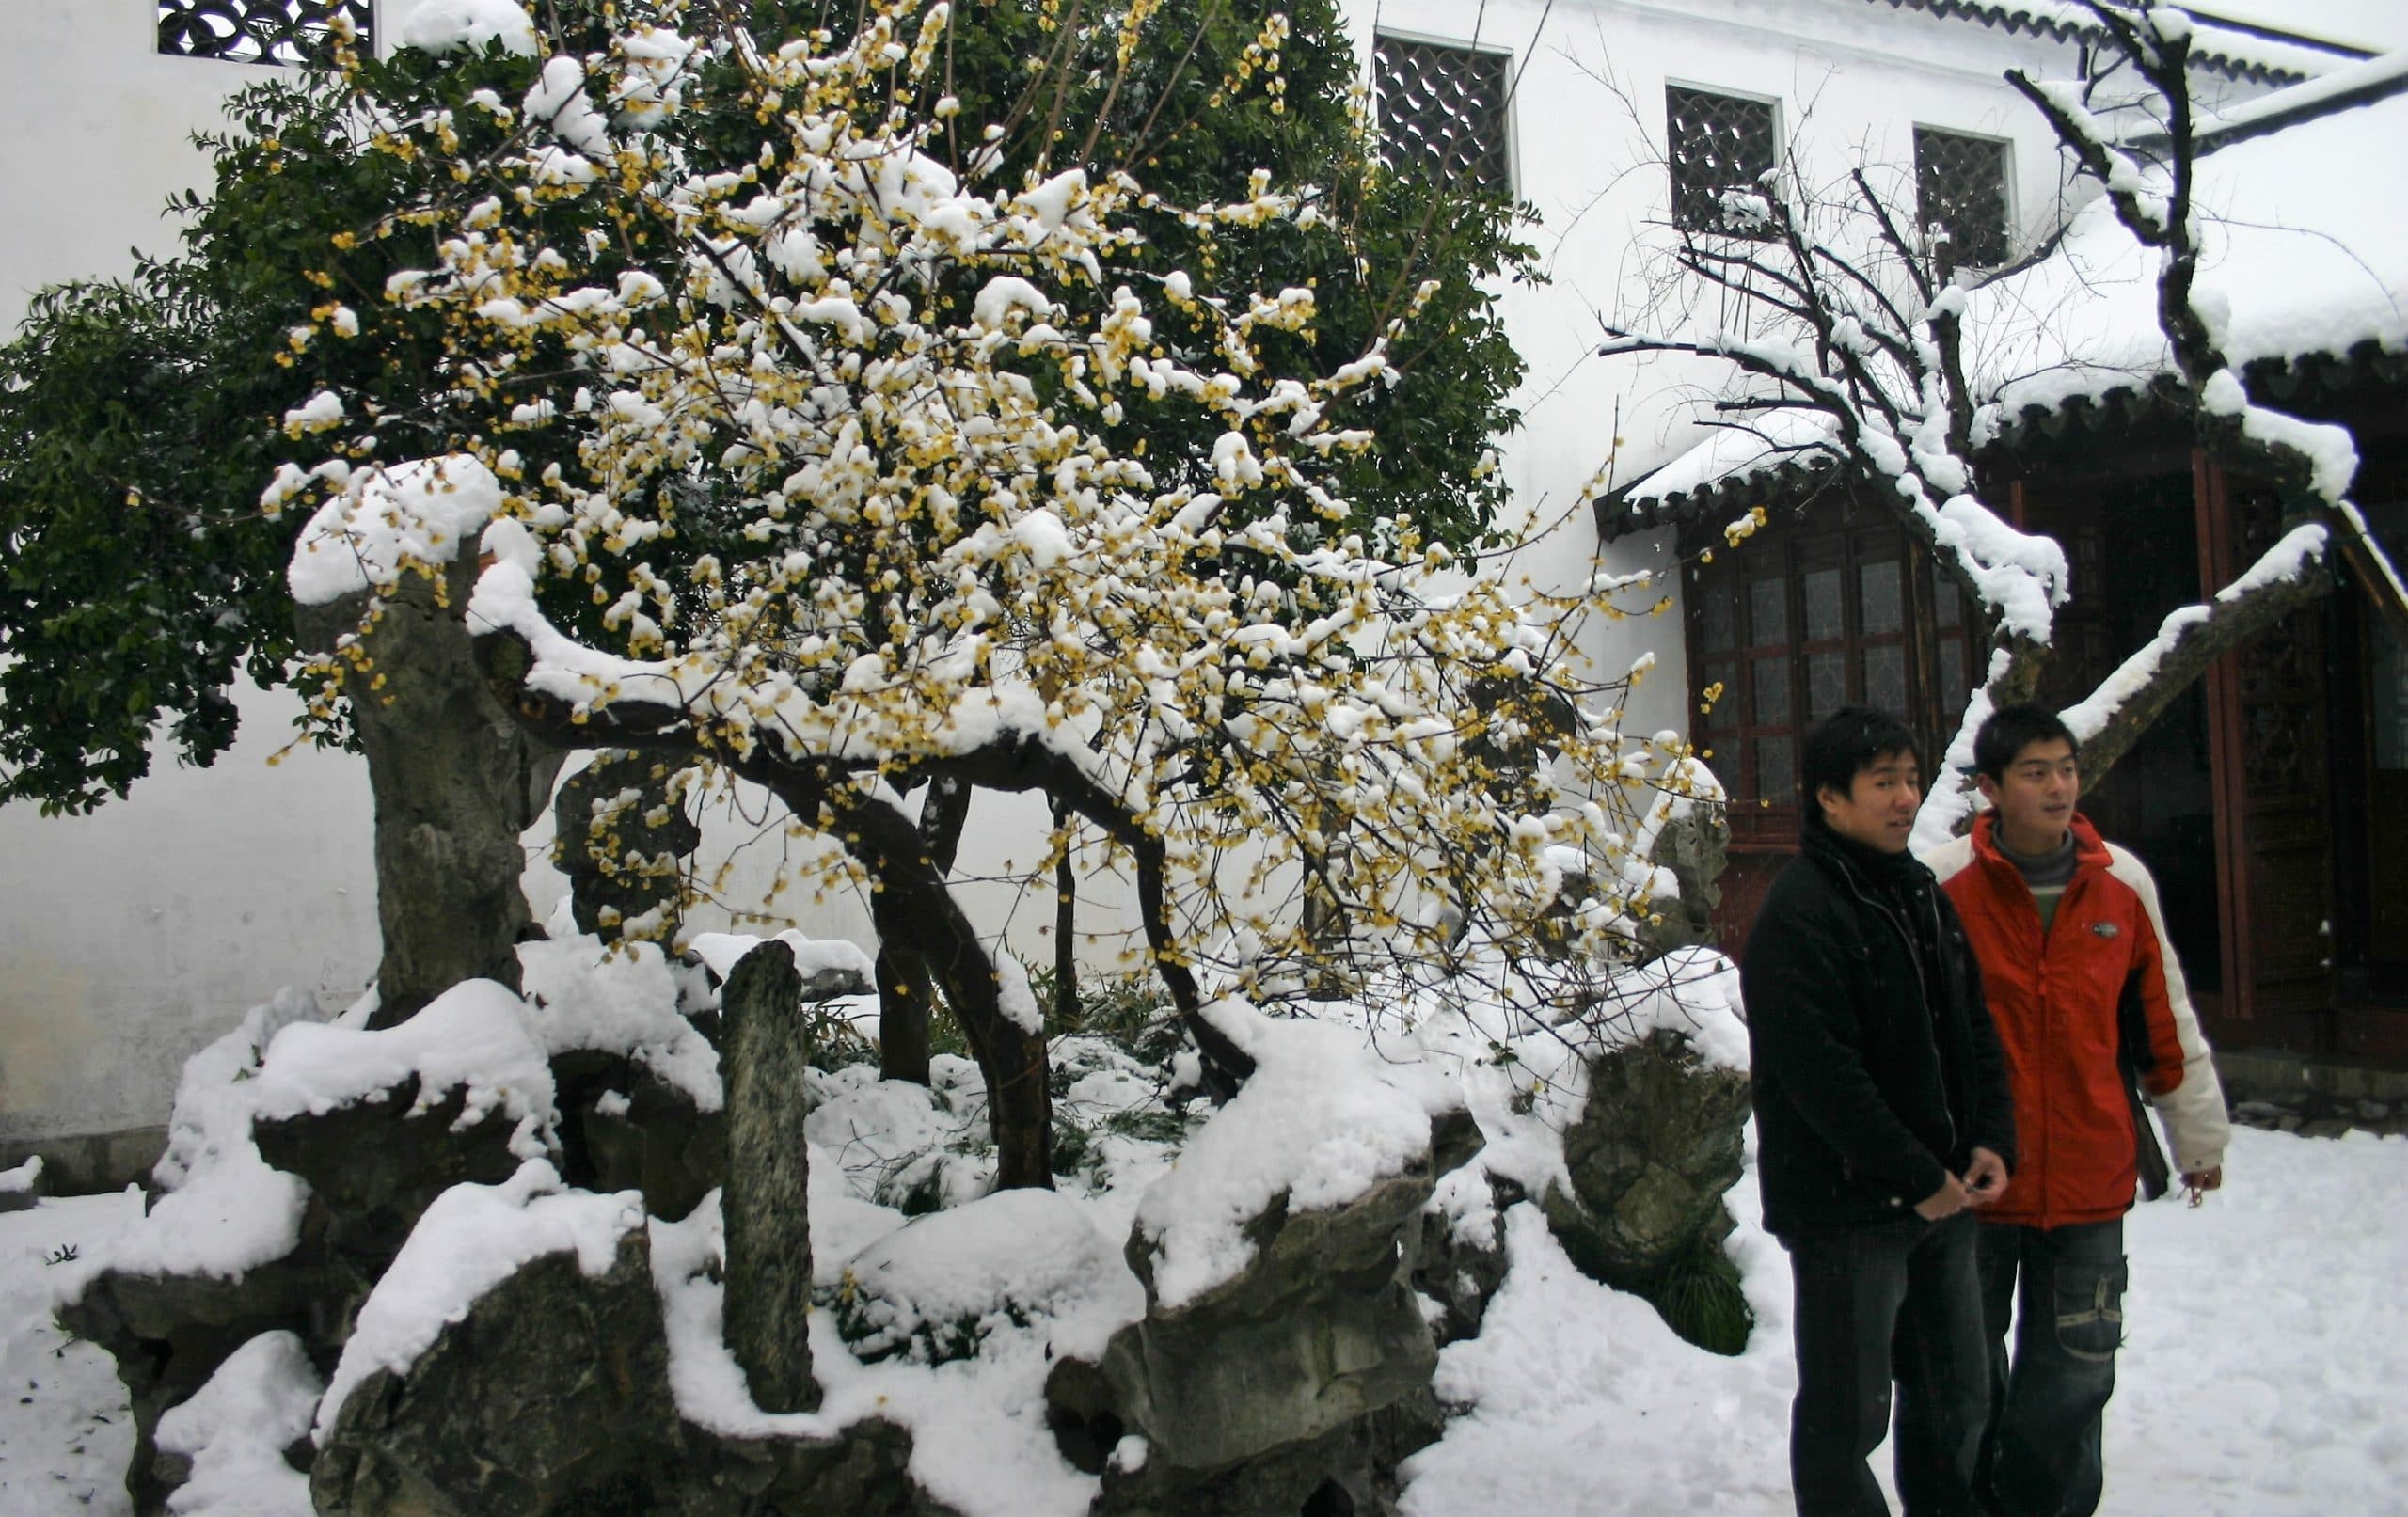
(1801, 619)
(1960, 188)
(1718, 144)
(1442, 112)
(256, 31)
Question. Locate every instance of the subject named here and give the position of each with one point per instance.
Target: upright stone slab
(766, 1204)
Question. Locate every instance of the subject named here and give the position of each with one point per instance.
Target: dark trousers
(1894, 1301)
(2040, 1451)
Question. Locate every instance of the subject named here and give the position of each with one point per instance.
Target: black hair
(1843, 745)
(2010, 731)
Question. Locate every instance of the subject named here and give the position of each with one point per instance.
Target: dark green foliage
(1700, 1297)
(140, 421)
(1130, 1011)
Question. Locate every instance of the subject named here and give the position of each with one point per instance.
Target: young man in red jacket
(2089, 1002)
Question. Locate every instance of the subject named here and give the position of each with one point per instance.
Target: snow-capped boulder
(512, 1363)
(1659, 1138)
(1284, 1355)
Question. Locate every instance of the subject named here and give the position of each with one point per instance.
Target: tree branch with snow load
(2151, 181)
(866, 473)
(1851, 326)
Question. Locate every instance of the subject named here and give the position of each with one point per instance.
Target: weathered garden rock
(1291, 1383)
(456, 781)
(1458, 1256)
(625, 1129)
(605, 889)
(768, 1199)
(861, 1471)
(22, 1188)
(1694, 844)
(374, 1166)
(1653, 1150)
(168, 1334)
(550, 1397)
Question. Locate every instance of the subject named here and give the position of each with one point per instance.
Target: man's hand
(1947, 1201)
(1984, 1178)
(2198, 1182)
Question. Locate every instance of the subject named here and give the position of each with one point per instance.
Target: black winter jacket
(1874, 1068)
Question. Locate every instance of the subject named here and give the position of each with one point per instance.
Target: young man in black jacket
(1883, 1116)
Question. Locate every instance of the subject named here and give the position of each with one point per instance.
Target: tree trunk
(1066, 927)
(2154, 677)
(906, 991)
(903, 871)
(455, 782)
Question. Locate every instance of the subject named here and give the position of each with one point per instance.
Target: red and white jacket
(2054, 998)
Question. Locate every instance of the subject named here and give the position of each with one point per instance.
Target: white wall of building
(129, 938)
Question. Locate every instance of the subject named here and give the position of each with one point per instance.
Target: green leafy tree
(169, 401)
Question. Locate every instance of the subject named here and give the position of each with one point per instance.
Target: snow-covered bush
(932, 1291)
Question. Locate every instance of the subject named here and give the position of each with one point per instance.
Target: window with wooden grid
(257, 31)
(1801, 619)
(1442, 112)
(1718, 144)
(1962, 199)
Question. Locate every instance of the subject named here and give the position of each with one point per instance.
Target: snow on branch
(801, 452)
(2314, 462)
(1866, 334)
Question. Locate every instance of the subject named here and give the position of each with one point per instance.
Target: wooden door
(2267, 708)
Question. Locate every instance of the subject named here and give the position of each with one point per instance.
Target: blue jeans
(1892, 1302)
(2040, 1451)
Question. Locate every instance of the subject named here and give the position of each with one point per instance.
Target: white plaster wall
(1852, 80)
(129, 938)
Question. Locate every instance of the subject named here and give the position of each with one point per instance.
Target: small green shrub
(1700, 1297)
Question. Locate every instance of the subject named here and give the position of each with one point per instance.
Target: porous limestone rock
(1655, 1148)
(1296, 1384)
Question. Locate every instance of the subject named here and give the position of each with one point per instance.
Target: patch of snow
(720, 950)
(224, 1211)
(582, 994)
(472, 1037)
(447, 25)
(1694, 992)
(235, 1429)
(1015, 1255)
(979, 1439)
(1320, 1121)
(386, 520)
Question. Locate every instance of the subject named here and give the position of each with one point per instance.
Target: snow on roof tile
(2233, 49)
(2306, 251)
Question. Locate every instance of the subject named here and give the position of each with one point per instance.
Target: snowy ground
(2262, 1378)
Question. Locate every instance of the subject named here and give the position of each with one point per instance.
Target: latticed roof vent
(1442, 112)
(1720, 147)
(257, 31)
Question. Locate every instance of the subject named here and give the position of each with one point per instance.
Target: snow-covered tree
(1846, 323)
(138, 420)
(868, 471)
